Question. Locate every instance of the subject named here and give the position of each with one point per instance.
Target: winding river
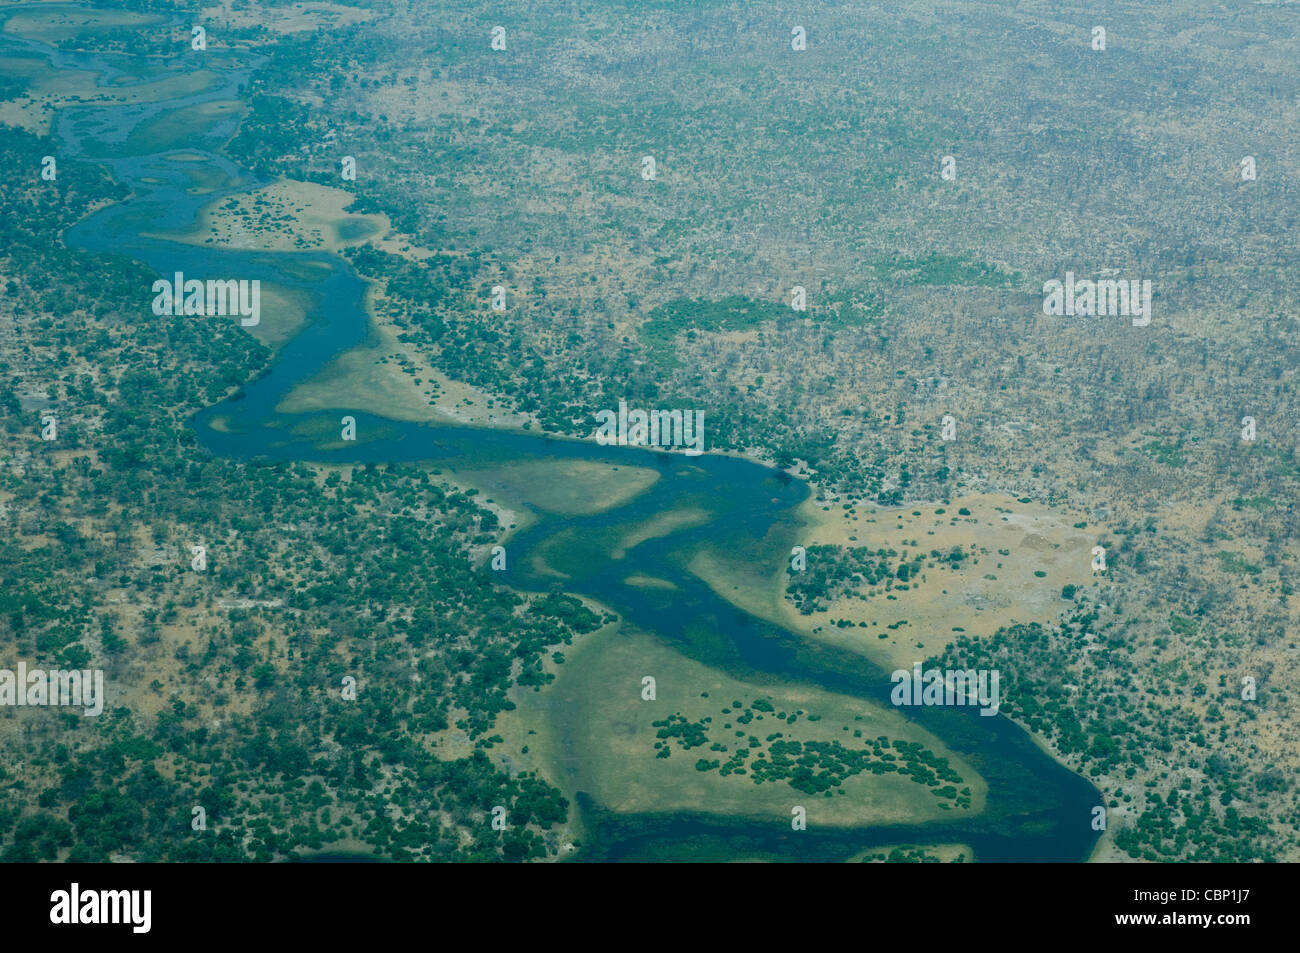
(1037, 810)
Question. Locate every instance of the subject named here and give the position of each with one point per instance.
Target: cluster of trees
(813, 767)
(908, 855)
(1122, 718)
(835, 571)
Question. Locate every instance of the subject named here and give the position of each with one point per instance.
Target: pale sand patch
(1034, 537)
(298, 18)
(642, 581)
(381, 376)
(53, 25)
(283, 313)
(285, 216)
(289, 215)
(947, 853)
(663, 525)
(995, 586)
(53, 89)
(566, 487)
(361, 379)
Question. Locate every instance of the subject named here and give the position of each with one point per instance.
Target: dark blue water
(1036, 809)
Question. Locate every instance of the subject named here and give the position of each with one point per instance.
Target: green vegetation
(659, 333)
(1134, 720)
(1170, 454)
(835, 571)
(938, 269)
(912, 855)
(1236, 564)
(813, 767)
